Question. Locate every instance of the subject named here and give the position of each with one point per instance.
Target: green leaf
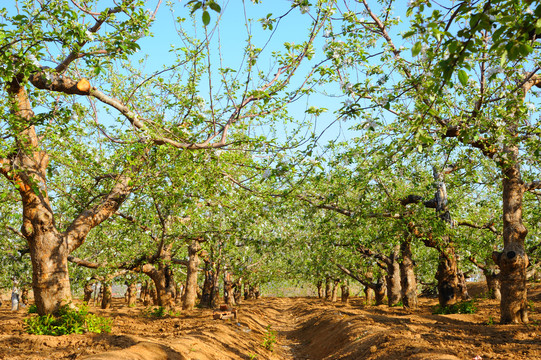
(463, 77)
(215, 7)
(503, 58)
(416, 49)
(196, 6)
(206, 18)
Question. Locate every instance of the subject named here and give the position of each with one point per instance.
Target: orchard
(330, 179)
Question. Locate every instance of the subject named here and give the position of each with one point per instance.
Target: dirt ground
(305, 328)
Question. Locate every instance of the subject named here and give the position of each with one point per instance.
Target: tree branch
(88, 219)
(86, 263)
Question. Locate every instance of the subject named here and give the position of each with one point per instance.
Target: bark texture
(190, 294)
(407, 277)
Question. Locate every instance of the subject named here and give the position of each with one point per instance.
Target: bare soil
(306, 328)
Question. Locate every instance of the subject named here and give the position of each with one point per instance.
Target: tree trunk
(394, 288)
(24, 296)
(369, 292)
(334, 295)
(88, 290)
(206, 296)
(145, 294)
(170, 286)
(131, 294)
(345, 293)
(228, 289)
(493, 284)
(328, 289)
(210, 297)
(513, 259)
(161, 278)
(380, 292)
(107, 294)
(190, 294)
(369, 296)
(319, 286)
(49, 254)
(407, 277)
(447, 277)
(237, 294)
(462, 286)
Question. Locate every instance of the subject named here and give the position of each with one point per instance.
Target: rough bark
(210, 297)
(513, 260)
(145, 294)
(380, 291)
(131, 294)
(328, 289)
(107, 295)
(88, 290)
(447, 277)
(462, 286)
(228, 289)
(24, 296)
(237, 293)
(407, 277)
(394, 287)
(190, 294)
(334, 295)
(369, 295)
(345, 294)
(494, 286)
(319, 286)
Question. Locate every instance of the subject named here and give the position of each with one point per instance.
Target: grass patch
(463, 307)
(68, 321)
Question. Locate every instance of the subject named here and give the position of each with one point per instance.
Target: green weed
(463, 307)
(269, 339)
(158, 312)
(68, 321)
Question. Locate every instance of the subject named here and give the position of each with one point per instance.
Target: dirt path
(306, 328)
(285, 322)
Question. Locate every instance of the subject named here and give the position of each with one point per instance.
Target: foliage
(463, 307)
(68, 321)
(158, 312)
(269, 338)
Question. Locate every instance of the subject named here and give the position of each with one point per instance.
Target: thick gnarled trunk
(228, 289)
(210, 296)
(190, 294)
(394, 287)
(50, 276)
(447, 277)
(319, 286)
(513, 260)
(407, 277)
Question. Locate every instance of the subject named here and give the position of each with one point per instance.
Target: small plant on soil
(68, 321)
(463, 307)
(33, 309)
(269, 339)
(158, 312)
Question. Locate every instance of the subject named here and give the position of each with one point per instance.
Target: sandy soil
(306, 328)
